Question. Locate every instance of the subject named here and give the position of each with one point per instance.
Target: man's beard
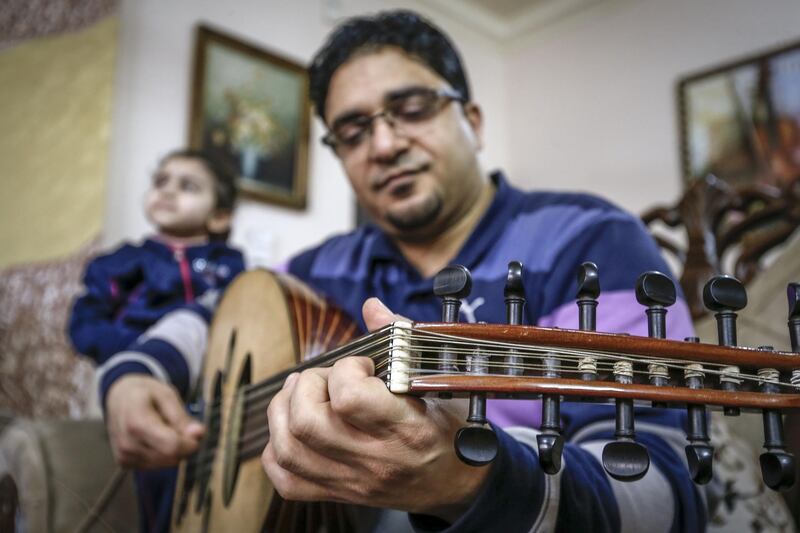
(417, 222)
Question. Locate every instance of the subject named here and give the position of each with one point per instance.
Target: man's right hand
(147, 423)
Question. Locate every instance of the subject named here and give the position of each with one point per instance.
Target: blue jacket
(129, 289)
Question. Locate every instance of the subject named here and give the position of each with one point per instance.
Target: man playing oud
(397, 104)
(394, 96)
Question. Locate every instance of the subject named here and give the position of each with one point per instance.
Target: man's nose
(386, 142)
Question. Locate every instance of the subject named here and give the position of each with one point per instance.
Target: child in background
(190, 202)
(181, 270)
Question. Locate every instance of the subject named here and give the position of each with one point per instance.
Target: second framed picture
(250, 110)
(741, 120)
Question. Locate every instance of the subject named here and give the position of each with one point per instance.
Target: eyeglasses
(404, 108)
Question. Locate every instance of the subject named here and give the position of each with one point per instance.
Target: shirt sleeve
(92, 328)
(172, 350)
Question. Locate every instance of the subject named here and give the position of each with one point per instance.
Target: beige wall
(55, 118)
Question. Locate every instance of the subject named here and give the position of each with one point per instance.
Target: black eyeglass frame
(443, 96)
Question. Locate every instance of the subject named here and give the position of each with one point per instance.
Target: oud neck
(405, 356)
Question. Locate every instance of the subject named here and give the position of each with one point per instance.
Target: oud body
(264, 326)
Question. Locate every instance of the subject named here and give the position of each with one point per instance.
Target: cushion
(40, 374)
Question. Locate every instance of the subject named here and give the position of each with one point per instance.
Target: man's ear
(219, 222)
(474, 116)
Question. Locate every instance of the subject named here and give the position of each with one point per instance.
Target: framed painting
(250, 111)
(741, 121)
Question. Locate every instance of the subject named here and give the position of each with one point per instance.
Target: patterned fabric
(741, 503)
(40, 374)
(24, 19)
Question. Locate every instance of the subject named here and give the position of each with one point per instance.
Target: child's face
(181, 200)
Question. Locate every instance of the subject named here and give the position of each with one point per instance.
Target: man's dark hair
(224, 178)
(404, 29)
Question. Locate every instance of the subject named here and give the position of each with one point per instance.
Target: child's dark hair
(404, 29)
(224, 179)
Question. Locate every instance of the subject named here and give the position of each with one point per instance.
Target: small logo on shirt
(211, 272)
(468, 309)
(199, 265)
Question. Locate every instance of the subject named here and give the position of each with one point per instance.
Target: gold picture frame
(250, 111)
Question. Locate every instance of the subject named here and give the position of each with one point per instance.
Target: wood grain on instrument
(530, 385)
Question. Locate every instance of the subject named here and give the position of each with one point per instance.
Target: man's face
(414, 179)
(181, 199)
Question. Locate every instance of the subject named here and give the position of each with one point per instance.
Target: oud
(269, 325)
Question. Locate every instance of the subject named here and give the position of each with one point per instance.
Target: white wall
(592, 101)
(152, 100)
(586, 103)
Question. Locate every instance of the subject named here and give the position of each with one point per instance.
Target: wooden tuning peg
(451, 284)
(793, 295)
(476, 444)
(625, 459)
(549, 441)
(725, 295)
(588, 292)
(586, 298)
(777, 465)
(699, 452)
(657, 292)
(514, 293)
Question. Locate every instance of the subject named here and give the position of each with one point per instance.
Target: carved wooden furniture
(725, 230)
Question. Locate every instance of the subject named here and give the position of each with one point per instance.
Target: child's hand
(147, 423)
